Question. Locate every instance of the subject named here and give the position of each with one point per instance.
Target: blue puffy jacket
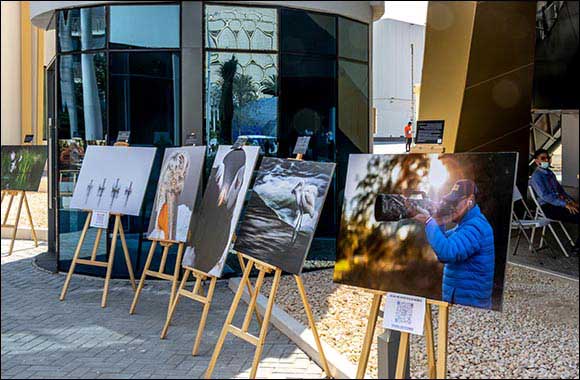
(469, 256)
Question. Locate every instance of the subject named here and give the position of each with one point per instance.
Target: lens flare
(438, 174)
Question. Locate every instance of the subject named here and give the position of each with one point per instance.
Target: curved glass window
(82, 29)
(307, 32)
(144, 96)
(353, 39)
(144, 26)
(242, 28)
(104, 86)
(242, 98)
(82, 100)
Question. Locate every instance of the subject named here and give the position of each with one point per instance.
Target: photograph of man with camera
(467, 249)
(429, 225)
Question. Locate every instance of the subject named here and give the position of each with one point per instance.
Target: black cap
(462, 188)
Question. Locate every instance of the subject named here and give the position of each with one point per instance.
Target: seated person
(555, 202)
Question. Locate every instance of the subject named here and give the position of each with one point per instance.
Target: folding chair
(527, 222)
(540, 214)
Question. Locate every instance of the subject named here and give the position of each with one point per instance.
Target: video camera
(395, 207)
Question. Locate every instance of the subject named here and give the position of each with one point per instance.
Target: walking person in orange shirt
(408, 136)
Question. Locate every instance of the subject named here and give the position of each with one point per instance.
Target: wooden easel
(23, 199)
(437, 363)
(196, 295)
(117, 230)
(160, 274)
(263, 269)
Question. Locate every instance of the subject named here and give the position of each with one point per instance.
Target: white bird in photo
(14, 161)
(305, 200)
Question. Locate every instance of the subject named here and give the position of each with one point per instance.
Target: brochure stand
(242, 333)
(117, 230)
(437, 362)
(23, 199)
(160, 274)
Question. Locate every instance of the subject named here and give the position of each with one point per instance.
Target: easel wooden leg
(16, 221)
(249, 286)
(402, 356)
(228, 321)
(8, 209)
(371, 325)
(265, 322)
(30, 219)
(432, 369)
(3, 195)
(75, 257)
(127, 256)
(176, 271)
(143, 277)
(111, 261)
(442, 341)
(96, 244)
(174, 304)
(312, 324)
(204, 315)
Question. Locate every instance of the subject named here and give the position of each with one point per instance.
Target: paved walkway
(45, 338)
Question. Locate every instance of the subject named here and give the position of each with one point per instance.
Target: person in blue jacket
(467, 250)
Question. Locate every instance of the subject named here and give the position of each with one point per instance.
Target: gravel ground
(38, 208)
(536, 336)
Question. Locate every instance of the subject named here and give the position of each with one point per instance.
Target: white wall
(10, 80)
(392, 73)
(570, 154)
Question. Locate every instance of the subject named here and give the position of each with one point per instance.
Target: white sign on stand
(100, 219)
(404, 313)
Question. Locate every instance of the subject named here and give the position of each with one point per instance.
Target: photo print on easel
(283, 211)
(428, 225)
(176, 195)
(113, 179)
(22, 166)
(215, 222)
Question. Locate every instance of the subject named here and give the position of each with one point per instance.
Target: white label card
(100, 219)
(404, 313)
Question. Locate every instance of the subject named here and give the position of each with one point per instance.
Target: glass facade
(118, 70)
(268, 73)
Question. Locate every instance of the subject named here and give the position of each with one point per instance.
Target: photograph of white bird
(305, 196)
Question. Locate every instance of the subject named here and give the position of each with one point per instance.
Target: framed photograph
(113, 179)
(283, 211)
(215, 223)
(177, 191)
(428, 225)
(22, 166)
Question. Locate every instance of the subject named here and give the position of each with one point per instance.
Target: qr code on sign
(404, 313)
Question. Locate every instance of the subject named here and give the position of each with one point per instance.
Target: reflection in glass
(353, 39)
(82, 29)
(353, 102)
(306, 32)
(246, 28)
(144, 96)
(242, 99)
(308, 108)
(144, 26)
(309, 104)
(81, 108)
